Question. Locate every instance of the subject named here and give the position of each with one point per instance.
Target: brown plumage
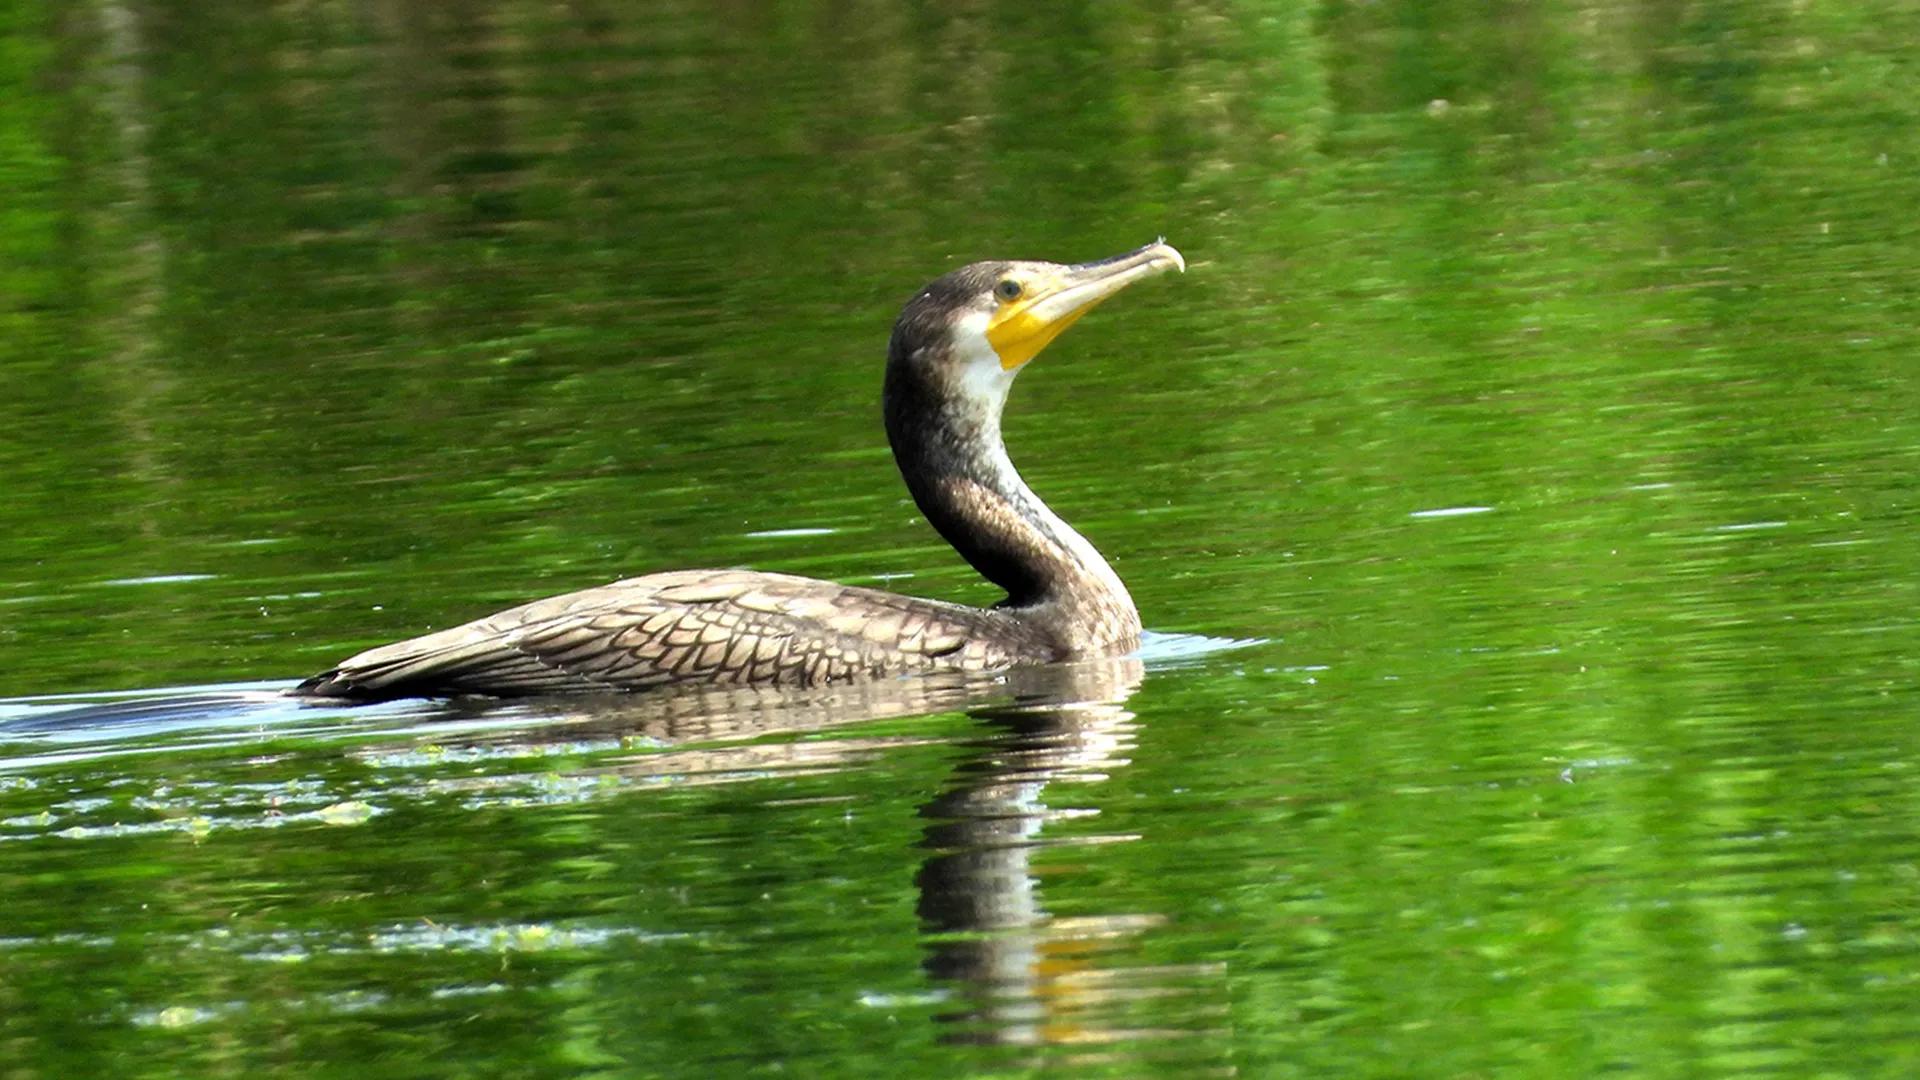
(954, 353)
(713, 626)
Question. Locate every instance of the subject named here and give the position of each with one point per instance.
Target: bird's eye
(1007, 290)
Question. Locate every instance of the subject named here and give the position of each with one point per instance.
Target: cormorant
(955, 351)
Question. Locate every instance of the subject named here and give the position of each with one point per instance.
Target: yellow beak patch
(1017, 332)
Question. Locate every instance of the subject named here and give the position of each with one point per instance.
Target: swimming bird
(955, 351)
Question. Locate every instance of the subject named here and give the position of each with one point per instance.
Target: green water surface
(1520, 484)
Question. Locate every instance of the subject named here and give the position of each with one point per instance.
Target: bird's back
(725, 627)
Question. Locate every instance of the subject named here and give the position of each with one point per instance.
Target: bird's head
(971, 331)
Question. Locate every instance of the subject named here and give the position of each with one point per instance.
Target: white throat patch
(982, 380)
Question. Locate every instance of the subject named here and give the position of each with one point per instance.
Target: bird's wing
(707, 626)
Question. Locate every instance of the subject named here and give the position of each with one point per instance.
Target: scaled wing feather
(715, 626)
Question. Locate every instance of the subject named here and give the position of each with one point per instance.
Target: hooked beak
(1023, 327)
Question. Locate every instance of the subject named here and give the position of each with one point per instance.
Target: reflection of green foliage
(430, 308)
(30, 173)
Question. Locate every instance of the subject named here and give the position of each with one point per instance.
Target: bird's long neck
(955, 463)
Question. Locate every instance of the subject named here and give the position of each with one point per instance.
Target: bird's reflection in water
(722, 735)
(1010, 973)
(1021, 975)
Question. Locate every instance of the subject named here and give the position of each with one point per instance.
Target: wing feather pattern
(692, 626)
